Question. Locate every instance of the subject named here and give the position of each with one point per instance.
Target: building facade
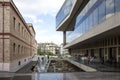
(91, 27)
(49, 47)
(17, 38)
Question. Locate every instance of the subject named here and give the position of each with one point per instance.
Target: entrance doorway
(101, 55)
(92, 52)
(112, 55)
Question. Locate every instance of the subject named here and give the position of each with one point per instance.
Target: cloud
(41, 13)
(33, 19)
(41, 32)
(53, 38)
(39, 7)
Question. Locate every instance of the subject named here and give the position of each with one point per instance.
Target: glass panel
(91, 20)
(95, 17)
(83, 28)
(68, 35)
(80, 16)
(64, 11)
(117, 5)
(109, 8)
(94, 1)
(80, 29)
(102, 11)
(86, 24)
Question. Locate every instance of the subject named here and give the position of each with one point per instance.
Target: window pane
(95, 18)
(91, 20)
(109, 8)
(102, 11)
(85, 26)
(117, 5)
(86, 22)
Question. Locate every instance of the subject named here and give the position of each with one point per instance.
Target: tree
(45, 53)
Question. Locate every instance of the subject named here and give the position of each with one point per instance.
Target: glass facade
(110, 9)
(64, 11)
(94, 13)
(117, 4)
(101, 11)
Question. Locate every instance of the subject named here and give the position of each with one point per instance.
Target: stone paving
(25, 74)
(80, 76)
(66, 76)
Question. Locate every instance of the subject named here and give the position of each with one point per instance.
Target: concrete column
(64, 38)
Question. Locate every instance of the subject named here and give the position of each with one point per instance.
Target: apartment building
(49, 47)
(17, 38)
(91, 28)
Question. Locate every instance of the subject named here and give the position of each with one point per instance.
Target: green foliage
(45, 53)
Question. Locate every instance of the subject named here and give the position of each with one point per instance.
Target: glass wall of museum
(94, 13)
(64, 11)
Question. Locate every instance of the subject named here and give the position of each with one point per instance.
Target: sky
(42, 13)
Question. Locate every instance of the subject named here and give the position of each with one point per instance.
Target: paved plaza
(25, 73)
(65, 76)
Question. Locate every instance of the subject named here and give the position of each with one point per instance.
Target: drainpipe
(3, 4)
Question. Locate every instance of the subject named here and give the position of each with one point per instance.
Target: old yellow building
(17, 38)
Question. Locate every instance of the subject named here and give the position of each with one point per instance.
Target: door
(112, 55)
(92, 52)
(101, 55)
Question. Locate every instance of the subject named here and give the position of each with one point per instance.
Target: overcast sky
(42, 13)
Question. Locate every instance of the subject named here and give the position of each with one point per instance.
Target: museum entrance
(101, 55)
(112, 55)
(92, 52)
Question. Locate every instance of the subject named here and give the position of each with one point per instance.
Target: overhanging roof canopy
(70, 19)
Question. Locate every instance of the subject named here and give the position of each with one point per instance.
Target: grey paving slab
(5, 78)
(26, 77)
(66, 76)
(79, 76)
(26, 74)
(93, 76)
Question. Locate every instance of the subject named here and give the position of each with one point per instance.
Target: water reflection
(42, 62)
